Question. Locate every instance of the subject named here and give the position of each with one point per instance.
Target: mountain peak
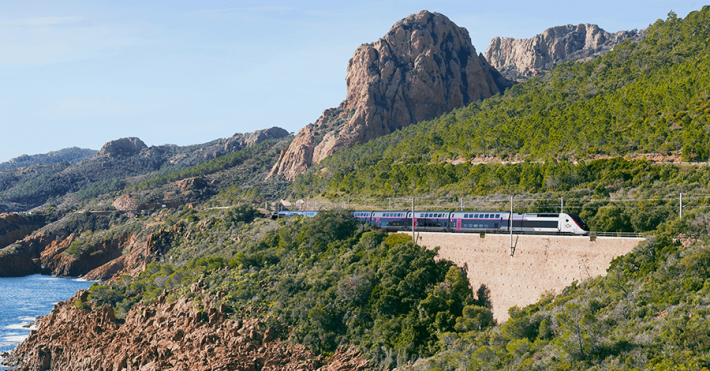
(123, 147)
(521, 59)
(423, 67)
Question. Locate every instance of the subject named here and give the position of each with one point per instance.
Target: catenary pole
(511, 223)
(414, 223)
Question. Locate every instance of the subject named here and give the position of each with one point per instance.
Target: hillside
(105, 236)
(564, 132)
(71, 155)
(650, 312)
(116, 165)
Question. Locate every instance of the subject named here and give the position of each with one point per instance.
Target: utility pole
(306, 209)
(348, 201)
(414, 223)
(390, 202)
(562, 204)
(461, 199)
(511, 226)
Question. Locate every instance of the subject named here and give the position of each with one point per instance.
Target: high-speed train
(474, 221)
(465, 221)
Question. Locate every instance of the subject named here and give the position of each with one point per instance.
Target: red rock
(423, 67)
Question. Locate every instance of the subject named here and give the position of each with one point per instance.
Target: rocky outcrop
(63, 263)
(124, 147)
(137, 256)
(240, 141)
(22, 257)
(17, 262)
(164, 336)
(125, 203)
(47, 253)
(14, 227)
(423, 67)
(521, 59)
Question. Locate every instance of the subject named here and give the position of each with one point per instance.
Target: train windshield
(579, 221)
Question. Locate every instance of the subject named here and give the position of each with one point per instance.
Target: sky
(82, 73)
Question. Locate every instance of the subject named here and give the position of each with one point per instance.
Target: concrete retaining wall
(540, 263)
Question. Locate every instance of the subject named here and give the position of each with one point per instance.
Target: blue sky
(81, 73)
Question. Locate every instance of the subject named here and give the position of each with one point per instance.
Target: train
(466, 221)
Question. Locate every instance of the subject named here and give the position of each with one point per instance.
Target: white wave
(15, 338)
(83, 280)
(27, 318)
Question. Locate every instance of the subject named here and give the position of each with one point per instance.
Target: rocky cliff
(14, 227)
(164, 336)
(423, 67)
(521, 59)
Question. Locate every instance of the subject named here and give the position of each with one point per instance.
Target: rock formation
(165, 336)
(521, 59)
(423, 67)
(239, 141)
(123, 147)
(22, 257)
(14, 227)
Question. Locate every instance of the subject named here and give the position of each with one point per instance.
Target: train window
(475, 216)
(497, 216)
(487, 216)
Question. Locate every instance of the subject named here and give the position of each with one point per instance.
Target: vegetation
(649, 312)
(158, 166)
(648, 97)
(333, 281)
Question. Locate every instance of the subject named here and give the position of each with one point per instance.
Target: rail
(616, 234)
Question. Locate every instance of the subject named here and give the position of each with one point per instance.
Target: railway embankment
(538, 264)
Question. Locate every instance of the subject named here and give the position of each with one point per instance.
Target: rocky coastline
(177, 335)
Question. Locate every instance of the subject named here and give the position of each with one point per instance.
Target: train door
(458, 225)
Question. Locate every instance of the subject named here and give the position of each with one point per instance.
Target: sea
(23, 299)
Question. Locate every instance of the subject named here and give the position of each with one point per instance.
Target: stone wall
(539, 264)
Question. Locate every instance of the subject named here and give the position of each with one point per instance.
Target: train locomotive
(474, 221)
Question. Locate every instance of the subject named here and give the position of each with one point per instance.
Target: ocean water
(23, 299)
